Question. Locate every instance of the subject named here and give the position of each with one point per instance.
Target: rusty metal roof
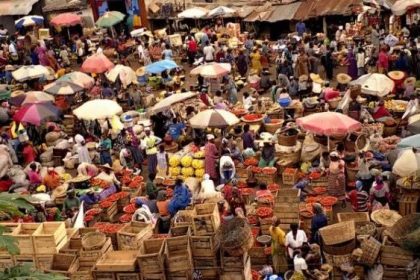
(316, 8)
(283, 12)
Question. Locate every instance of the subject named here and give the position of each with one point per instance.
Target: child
(162, 162)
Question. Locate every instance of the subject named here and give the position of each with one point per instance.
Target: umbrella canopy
(66, 19)
(125, 73)
(98, 109)
(29, 21)
(375, 84)
(213, 118)
(160, 66)
(328, 123)
(32, 97)
(79, 78)
(221, 11)
(402, 6)
(410, 142)
(110, 19)
(195, 12)
(170, 100)
(212, 70)
(62, 88)
(407, 164)
(30, 72)
(414, 124)
(36, 113)
(97, 63)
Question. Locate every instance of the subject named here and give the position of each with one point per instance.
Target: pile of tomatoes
(264, 212)
(130, 208)
(108, 227)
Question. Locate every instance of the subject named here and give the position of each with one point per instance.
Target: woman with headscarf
(107, 175)
(255, 57)
(210, 156)
(379, 194)
(351, 64)
(181, 198)
(81, 149)
(336, 178)
(319, 220)
(302, 64)
(237, 201)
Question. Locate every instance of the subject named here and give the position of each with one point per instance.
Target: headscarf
(318, 208)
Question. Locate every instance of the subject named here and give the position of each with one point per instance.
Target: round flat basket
(93, 240)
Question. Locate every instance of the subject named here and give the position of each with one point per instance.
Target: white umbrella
(213, 118)
(170, 100)
(37, 97)
(98, 109)
(195, 12)
(400, 7)
(125, 73)
(221, 11)
(137, 32)
(78, 78)
(212, 70)
(30, 72)
(407, 164)
(375, 84)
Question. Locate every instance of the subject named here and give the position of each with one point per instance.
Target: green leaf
(26, 272)
(10, 244)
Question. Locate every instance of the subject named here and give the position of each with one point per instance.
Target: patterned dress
(210, 151)
(336, 180)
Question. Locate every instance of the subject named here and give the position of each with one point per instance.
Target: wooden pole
(143, 14)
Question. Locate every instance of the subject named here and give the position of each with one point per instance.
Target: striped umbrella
(110, 19)
(29, 21)
(36, 113)
(78, 78)
(97, 63)
(213, 118)
(212, 70)
(62, 88)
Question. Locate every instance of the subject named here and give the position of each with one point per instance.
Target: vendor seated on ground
(265, 82)
(381, 113)
(268, 155)
(207, 189)
(263, 191)
(109, 177)
(71, 203)
(227, 168)
(150, 201)
(162, 204)
(52, 180)
(89, 199)
(181, 197)
(143, 213)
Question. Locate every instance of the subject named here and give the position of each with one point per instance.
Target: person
(29, 153)
(208, 52)
(248, 101)
(210, 156)
(181, 197)
(375, 36)
(319, 220)
(248, 138)
(268, 155)
(379, 194)
(383, 61)
(89, 199)
(235, 152)
(227, 168)
(149, 143)
(51, 180)
(107, 92)
(312, 255)
(237, 201)
(381, 113)
(34, 176)
(176, 129)
(328, 62)
(263, 191)
(278, 249)
(105, 147)
(336, 178)
(302, 64)
(109, 177)
(241, 63)
(143, 213)
(162, 204)
(64, 55)
(255, 57)
(167, 53)
(71, 202)
(300, 267)
(192, 48)
(150, 185)
(81, 149)
(359, 198)
(162, 162)
(295, 238)
(150, 201)
(300, 28)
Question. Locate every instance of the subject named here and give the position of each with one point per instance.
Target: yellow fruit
(199, 154)
(186, 161)
(174, 161)
(187, 171)
(198, 163)
(199, 173)
(174, 171)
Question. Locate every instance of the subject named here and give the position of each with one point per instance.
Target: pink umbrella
(36, 113)
(328, 123)
(97, 63)
(66, 19)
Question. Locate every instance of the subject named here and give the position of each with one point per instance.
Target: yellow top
(277, 240)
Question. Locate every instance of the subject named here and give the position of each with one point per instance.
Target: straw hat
(106, 166)
(60, 191)
(303, 78)
(410, 81)
(385, 217)
(79, 179)
(316, 78)
(343, 78)
(396, 75)
(141, 71)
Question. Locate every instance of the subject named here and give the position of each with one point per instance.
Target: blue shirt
(300, 28)
(175, 130)
(167, 54)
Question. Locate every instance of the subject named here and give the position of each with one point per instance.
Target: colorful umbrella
(36, 113)
(110, 19)
(125, 73)
(97, 63)
(79, 78)
(160, 66)
(213, 118)
(30, 72)
(169, 101)
(221, 11)
(375, 84)
(195, 12)
(410, 142)
(212, 70)
(98, 109)
(32, 97)
(62, 88)
(66, 19)
(328, 123)
(29, 21)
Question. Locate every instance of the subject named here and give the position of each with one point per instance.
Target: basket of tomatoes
(252, 118)
(264, 212)
(328, 201)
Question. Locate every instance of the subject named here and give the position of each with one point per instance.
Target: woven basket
(273, 127)
(371, 248)
(365, 228)
(93, 240)
(402, 227)
(289, 158)
(341, 249)
(338, 233)
(286, 140)
(337, 260)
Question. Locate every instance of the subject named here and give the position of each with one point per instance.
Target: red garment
(5, 185)
(204, 97)
(331, 94)
(380, 113)
(383, 60)
(192, 46)
(29, 154)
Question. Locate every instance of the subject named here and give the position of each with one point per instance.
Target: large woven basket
(286, 140)
(338, 233)
(93, 240)
(402, 227)
(371, 248)
(273, 127)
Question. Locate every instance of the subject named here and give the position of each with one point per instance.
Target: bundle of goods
(235, 237)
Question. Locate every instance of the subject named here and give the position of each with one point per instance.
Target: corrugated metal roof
(243, 12)
(62, 5)
(283, 12)
(305, 9)
(258, 16)
(16, 7)
(316, 8)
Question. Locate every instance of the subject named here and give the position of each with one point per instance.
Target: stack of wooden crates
(178, 257)
(286, 207)
(396, 261)
(117, 265)
(235, 267)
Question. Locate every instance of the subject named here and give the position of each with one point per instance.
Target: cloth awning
(16, 7)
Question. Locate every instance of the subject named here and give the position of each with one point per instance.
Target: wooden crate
(183, 218)
(392, 255)
(178, 254)
(151, 258)
(408, 204)
(153, 276)
(70, 232)
(77, 237)
(84, 273)
(109, 213)
(206, 219)
(43, 262)
(357, 217)
(290, 178)
(50, 237)
(131, 236)
(203, 246)
(265, 178)
(117, 261)
(6, 262)
(180, 242)
(127, 276)
(71, 247)
(180, 275)
(244, 274)
(89, 257)
(23, 234)
(103, 275)
(287, 216)
(230, 263)
(25, 259)
(210, 273)
(282, 207)
(204, 262)
(64, 264)
(180, 231)
(9, 229)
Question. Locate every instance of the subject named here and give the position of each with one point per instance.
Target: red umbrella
(66, 19)
(97, 63)
(36, 113)
(328, 124)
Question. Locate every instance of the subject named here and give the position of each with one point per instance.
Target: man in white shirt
(248, 101)
(12, 48)
(3, 31)
(360, 60)
(208, 52)
(295, 239)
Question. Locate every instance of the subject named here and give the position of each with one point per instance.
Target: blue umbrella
(160, 66)
(29, 21)
(410, 142)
